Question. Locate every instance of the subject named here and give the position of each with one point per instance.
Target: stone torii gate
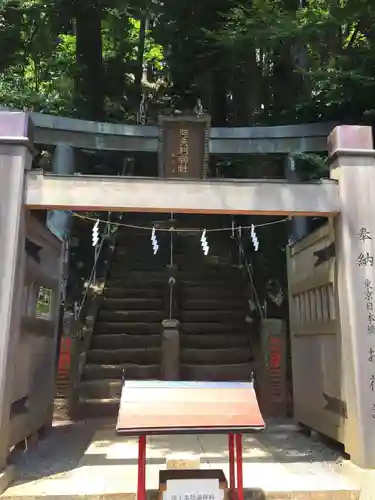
(347, 197)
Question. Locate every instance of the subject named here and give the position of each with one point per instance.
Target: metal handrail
(97, 254)
(94, 267)
(171, 280)
(171, 233)
(242, 255)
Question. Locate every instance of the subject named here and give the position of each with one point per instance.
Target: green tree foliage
(323, 51)
(73, 58)
(250, 61)
(37, 58)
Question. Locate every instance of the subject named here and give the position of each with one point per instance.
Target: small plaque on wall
(44, 303)
(184, 147)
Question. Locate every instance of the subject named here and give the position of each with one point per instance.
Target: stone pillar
(63, 159)
(170, 350)
(63, 164)
(352, 161)
(15, 143)
(299, 224)
(59, 223)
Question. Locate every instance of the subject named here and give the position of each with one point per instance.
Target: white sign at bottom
(193, 489)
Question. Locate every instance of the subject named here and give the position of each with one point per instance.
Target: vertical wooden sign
(183, 150)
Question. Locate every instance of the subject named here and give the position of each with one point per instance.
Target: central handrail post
(171, 279)
(170, 326)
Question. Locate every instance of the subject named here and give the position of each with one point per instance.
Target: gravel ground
(289, 445)
(58, 452)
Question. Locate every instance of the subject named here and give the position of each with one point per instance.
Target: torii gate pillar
(15, 158)
(352, 161)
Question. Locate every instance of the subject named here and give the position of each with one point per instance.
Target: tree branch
(352, 38)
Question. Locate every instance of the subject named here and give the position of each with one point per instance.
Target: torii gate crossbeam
(136, 194)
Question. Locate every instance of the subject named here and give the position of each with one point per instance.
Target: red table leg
(239, 467)
(141, 492)
(232, 479)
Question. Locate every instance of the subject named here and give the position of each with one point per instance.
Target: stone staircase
(215, 337)
(127, 332)
(210, 304)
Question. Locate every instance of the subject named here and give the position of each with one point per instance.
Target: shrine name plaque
(183, 150)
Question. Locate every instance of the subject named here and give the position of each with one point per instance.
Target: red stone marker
(159, 407)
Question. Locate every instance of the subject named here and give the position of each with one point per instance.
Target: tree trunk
(219, 97)
(89, 81)
(140, 57)
(246, 89)
(286, 84)
(10, 38)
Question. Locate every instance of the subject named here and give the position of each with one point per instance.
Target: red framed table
(158, 407)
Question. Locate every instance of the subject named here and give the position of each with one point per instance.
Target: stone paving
(88, 460)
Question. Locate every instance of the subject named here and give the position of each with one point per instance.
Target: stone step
(214, 341)
(122, 341)
(227, 356)
(182, 249)
(138, 275)
(121, 276)
(124, 327)
(213, 327)
(237, 372)
(212, 315)
(137, 281)
(200, 273)
(100, 389)
(134, 293)
(124, 264)
(216, 265)
(216, 254)
(193, 290)
(91, 408)
(196, 292)
(133, 304)
(210, 282)
(215, 268)
(139, 247)
(194, 275)
(130, 316)
(140, 260)
(209, 304)
(146, 356)
(142, 240)
(129, 370)
(194, 260)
